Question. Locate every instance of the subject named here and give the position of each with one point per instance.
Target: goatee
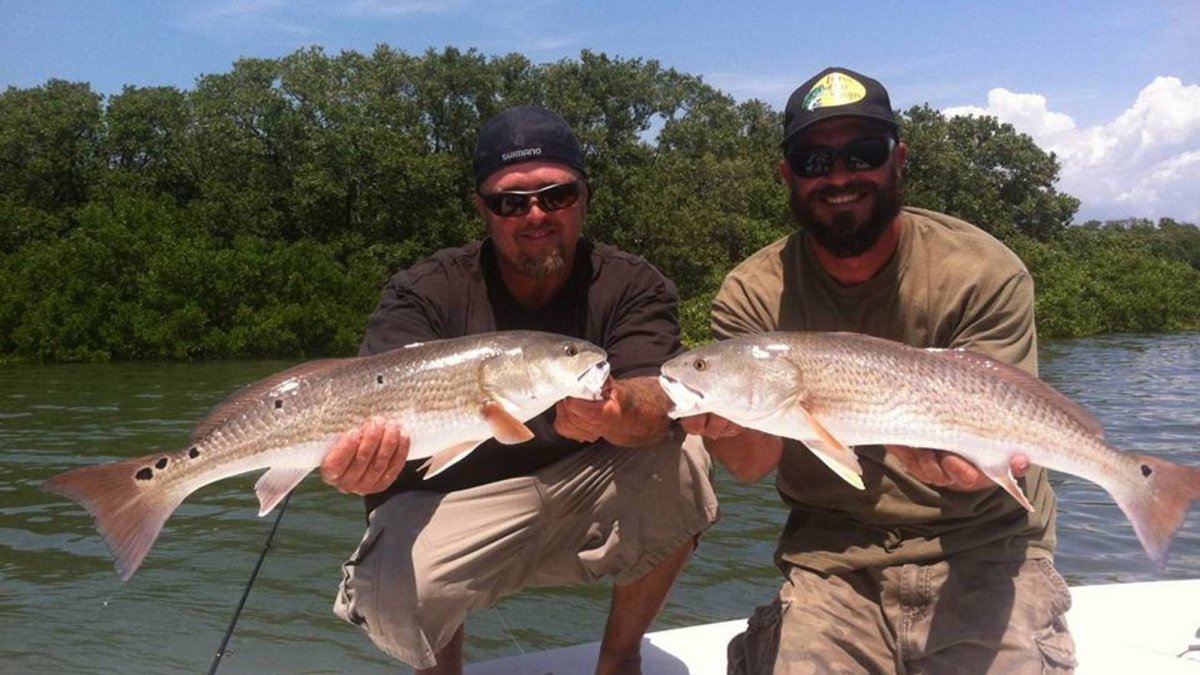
(844, 236)
(546, 266)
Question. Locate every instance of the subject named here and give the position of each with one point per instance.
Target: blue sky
(1112, 87)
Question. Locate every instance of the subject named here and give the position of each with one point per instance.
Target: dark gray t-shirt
(613, 299)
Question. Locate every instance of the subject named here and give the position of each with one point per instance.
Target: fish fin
(1024, 380)
(836, 460)
(506, 428)
(833, 452)
(1157, 500)
(253, 394)
(274, 485)
(129, 511)
(447, 458)
(1004, 478)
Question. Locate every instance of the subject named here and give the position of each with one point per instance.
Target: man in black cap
(604, 488)
(932, 568)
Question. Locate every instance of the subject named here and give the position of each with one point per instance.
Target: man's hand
(748, 454)
(631, 412)
(709, 425)
(366, 460)
(948, 470)
(588, 421)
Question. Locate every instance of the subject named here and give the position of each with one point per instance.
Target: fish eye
(570, 350)
(700, 364)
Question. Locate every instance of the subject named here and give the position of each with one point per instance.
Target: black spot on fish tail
(161, 464)
(379, 379)
(144, 474)
(1146, 471)
(194, 453)
(278, 403)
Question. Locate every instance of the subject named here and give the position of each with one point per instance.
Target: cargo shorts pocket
(1055, 641)
(355, 598)
(754, 651)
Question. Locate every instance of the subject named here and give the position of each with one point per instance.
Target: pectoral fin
(447, 458)
(840, 459)
(795, 421)
(833, 452)
(506, 428)
(1005, 479)
(274, 485)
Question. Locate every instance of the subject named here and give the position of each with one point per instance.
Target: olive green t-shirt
(949, 285)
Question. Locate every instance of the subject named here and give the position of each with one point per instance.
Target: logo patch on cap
(833, 90)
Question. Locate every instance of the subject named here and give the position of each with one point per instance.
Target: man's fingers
(368, 446)
(393, 453)
(922, 464)
(962, 473)
(368, 459)
(380, 460)
(1019, 465)
(339, 457)
(693, 424)
(946, 469)
(404, 443)
(580, 420)
(710, 426)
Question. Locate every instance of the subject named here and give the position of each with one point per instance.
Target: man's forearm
(749, 455)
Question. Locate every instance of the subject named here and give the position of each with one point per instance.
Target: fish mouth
(592, 381)
(685, 399)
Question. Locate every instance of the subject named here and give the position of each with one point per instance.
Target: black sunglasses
(518, 202)
(813, 161)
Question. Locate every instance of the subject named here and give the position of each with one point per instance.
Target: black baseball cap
(525, 133)
(835, 92)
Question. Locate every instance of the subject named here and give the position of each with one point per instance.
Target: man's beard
(844, 237)
(546, 266)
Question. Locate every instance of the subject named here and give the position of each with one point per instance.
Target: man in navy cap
(932, 568)
(603, 490)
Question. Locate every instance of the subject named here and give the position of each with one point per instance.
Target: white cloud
(1145, 163)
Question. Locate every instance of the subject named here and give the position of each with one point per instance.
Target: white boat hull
(1145, 627)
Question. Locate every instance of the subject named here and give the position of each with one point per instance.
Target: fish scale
(448, 396)
(835, 391)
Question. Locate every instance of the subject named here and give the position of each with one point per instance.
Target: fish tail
(1160, 502)
(128, 503)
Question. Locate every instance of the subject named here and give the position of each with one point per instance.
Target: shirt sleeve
(737, 310)
(407, 312)
(644, 332)
(1002, 324)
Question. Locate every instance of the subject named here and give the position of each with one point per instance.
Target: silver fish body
(835, 391)
(448, 396)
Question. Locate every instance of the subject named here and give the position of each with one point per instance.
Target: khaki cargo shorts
(429, 559)
(956, 616)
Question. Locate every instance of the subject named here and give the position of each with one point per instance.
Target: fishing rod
(237, 613)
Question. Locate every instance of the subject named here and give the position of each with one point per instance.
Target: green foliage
(50, 139)
(1103, 281)
(134, 280)
(259, 213)
(985, 173)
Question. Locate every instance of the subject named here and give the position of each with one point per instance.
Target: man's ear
(785, 171)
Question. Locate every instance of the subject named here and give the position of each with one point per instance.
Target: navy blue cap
(522, 134)
(836, 92)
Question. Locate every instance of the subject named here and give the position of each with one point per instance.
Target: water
(63, 610)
